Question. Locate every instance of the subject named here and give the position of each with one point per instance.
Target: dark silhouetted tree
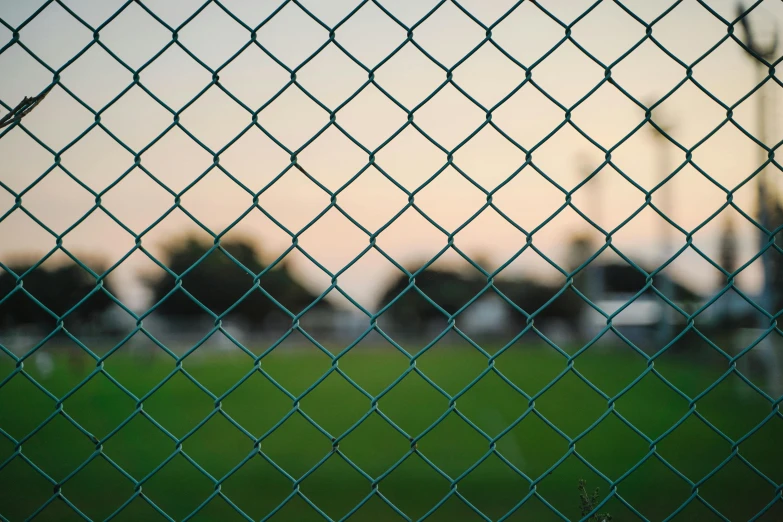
(531, 296)
(58, 289)
(220, 283)
(413, 312)
(453, 290)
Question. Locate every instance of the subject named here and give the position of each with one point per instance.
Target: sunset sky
(370, 35)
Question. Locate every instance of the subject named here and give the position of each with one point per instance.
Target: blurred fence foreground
(631, 315)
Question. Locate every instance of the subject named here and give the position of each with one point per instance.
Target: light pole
(666, 207)
(594, 191)
(595, 282)
(760, 55)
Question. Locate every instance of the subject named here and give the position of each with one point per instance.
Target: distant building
(613, 286)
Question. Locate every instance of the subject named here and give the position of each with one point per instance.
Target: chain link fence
(763, 219)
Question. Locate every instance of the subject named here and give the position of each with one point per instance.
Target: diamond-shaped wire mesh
(383, 120)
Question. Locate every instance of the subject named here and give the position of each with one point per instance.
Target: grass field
(414, 487)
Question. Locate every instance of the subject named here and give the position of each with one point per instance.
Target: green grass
(414, 487)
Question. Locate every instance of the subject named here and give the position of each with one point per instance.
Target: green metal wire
(374, 489)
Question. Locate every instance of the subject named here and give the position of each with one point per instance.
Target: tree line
(202, 282)
(233, 282)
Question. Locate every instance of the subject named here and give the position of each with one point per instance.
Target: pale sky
(371, 118)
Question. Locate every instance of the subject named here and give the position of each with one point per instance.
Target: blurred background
(488, 159)
(172, 203)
